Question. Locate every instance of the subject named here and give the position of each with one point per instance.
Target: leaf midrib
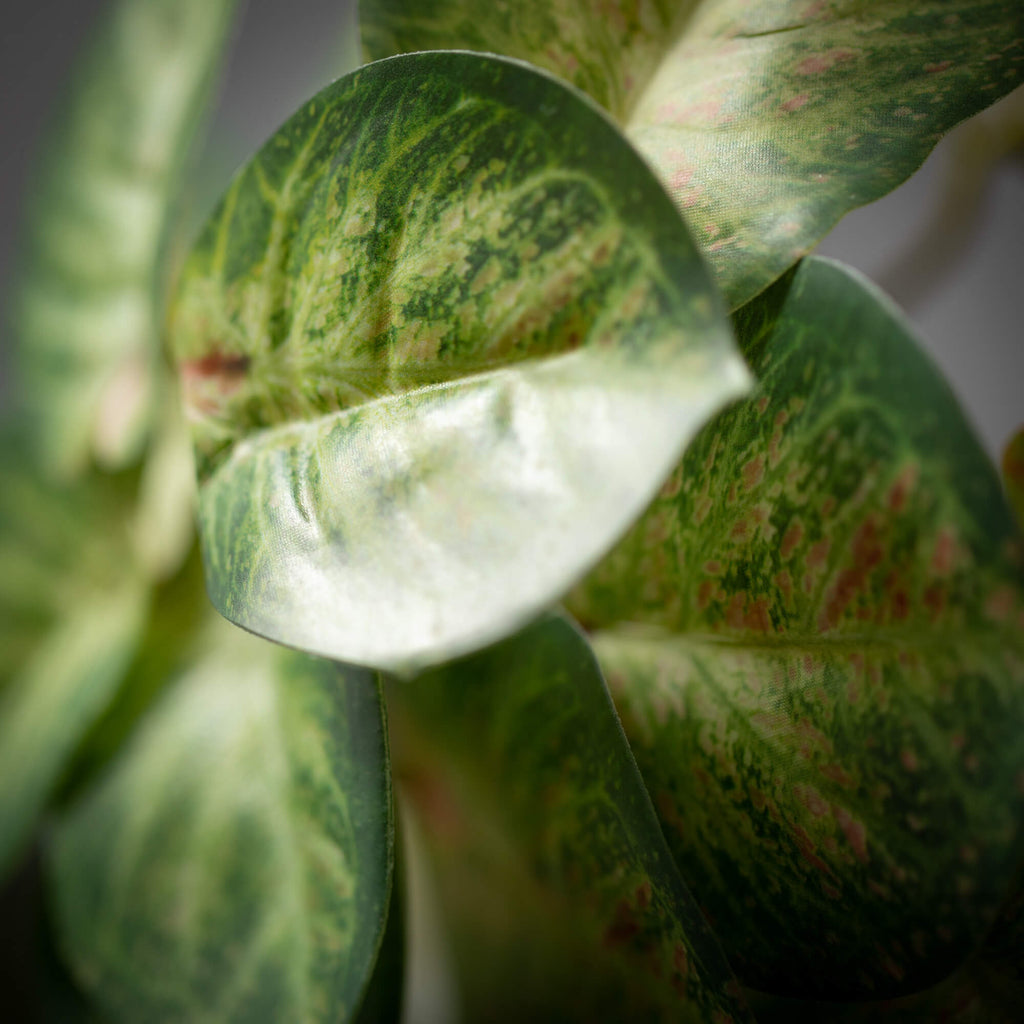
(885, 640)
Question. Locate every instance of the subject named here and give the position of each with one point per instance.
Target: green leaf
(72, 608)
(440, 343)
(89, 301)
(52, 701)
(767, 122)
(552, 864)
(236, 862)
(1013, 474)
(815, 638)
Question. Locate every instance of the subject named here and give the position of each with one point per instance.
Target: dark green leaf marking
(815, 637)
(564, 900)
(89, 303)
(440, 343)
(768, 121)
(236, 862)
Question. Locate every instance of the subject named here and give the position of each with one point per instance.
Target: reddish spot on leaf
(623, 928)
(680, 177)
(813, 65)
(807, 848)
(935, 599)
(900, 605)
(942, 65)
(643, 895)
(853, 691)
(812, 740)
(838, 775)
(1000, 605)
(879, 890)
(211, 378)
(867, 553)
(753, 472)
(796, 102)
(818, 554)
(757, 618)
(791, 538)
(672, 486)
(734, 614)
(890, 966)
(901, 488)
(822, 62)
(944, 554)
(812, 800)
(855, 832)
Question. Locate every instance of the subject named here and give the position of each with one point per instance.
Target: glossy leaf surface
(440, 343)
(92, 290)
(236, 862)
(552, 864)
(824, 679)
(766, 121)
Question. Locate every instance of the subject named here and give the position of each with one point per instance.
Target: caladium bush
(634, 557)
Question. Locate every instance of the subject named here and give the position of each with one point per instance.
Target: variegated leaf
(441, 342)
(815, 637)
(91, 292)
(235, 864)
(73, 605)
(564, 901)
(58, 693)
(767, 121)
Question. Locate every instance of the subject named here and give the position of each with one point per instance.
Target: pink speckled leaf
(815, 638)
(766, 121)
(549, 857)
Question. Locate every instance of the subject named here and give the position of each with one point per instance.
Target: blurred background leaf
(236, 860)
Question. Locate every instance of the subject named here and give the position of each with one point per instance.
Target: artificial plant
(518, 320)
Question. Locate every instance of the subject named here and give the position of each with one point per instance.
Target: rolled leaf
(89, 302)
(768, 121)
(815, 638)
(440, 343)
(551, 862)
(236, 862)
